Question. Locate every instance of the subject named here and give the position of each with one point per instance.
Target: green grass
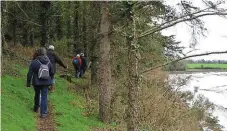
(206, 66)
(17, 103)
(71, 107)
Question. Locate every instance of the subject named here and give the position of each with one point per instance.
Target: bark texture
(105, 67)
(133, 79)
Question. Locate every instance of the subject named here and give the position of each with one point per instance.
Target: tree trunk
(14, 26)
(25, 41)
(14, 32)
(76, 28)
(59, 23)
(31, 38)
(69, 28)
(25, 28)
(94, 41)
(69, 33)
(84, 29)
(133, 85)
(4, 23)
(45, 5)
(94, 62)
(68, 36)
(59, 28)
(105, 67)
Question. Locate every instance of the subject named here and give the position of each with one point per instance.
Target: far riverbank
(197, 71)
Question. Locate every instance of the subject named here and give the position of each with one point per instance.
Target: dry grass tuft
(161, 108)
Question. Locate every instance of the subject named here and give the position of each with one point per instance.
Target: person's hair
(34, 55)
(41, 51)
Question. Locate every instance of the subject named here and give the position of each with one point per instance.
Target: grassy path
(46, 124)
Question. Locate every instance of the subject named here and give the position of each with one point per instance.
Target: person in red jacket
(77, 62)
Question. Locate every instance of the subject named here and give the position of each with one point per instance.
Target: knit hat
(81, 54)
(51, 47)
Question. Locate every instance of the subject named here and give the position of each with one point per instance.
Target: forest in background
(123, 41)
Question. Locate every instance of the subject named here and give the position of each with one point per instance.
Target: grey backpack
(43, 72)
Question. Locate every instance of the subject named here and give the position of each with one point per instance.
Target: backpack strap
(42, 63)
(39, 61)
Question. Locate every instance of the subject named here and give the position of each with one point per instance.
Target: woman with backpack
(40, 74)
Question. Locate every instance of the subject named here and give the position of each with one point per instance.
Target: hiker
(77, 65)
(40, 73)
(83, 65)
(54, 59)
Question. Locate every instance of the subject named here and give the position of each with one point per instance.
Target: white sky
(215, 40)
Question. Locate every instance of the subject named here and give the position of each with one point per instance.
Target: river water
(213, 85)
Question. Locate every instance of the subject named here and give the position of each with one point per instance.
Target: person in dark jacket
(54, 59)
(83, 65)
(40, 85)
(77, 64)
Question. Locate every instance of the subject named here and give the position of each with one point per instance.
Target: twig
(21, 9)
(20, 19)
(191, 51)
(29, 21)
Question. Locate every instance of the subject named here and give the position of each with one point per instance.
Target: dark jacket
(84, 63)
(54, 59)
(78, 64)
(33, 72)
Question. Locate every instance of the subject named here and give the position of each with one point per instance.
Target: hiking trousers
(41, 102)
(77, 70)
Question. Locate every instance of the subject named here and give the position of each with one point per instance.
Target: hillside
(67, 108)
(74, 105)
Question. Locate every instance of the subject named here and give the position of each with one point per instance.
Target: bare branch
(190, 51)
(181, 17)
(203, 54)
(190, 14)
(152, 31)
(21, 9)
(20, 19)
(29, 21)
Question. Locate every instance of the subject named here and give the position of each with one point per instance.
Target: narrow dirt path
(46, 124)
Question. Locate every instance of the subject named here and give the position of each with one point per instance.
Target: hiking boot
(36, 109)
(52, 88)
(43, 115)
